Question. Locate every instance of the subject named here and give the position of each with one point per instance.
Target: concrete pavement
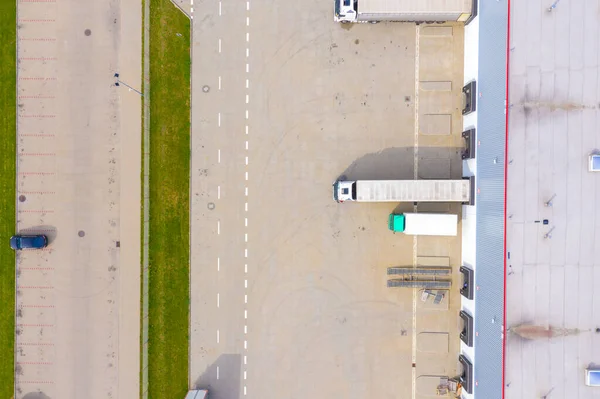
(288, 288)
(78, 182)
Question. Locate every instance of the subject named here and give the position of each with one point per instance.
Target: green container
(396, 223)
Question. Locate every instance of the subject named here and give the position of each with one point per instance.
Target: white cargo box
(414, 10)
(430, 224)
(413, 191)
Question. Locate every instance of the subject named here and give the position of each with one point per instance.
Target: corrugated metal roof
(491, 135)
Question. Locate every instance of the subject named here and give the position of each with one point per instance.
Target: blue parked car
(28, 241)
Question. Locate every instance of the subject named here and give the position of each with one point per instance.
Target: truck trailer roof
(416, 6)
(413, 190)
(430, 224)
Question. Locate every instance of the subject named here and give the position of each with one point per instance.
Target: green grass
(169, 201)
(8, 104)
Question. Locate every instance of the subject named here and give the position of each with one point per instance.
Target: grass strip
(8, 126)
(169, 201)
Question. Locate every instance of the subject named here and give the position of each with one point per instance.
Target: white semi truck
(402, 10)
(403, 190)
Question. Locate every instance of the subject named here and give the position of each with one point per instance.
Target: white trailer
(402, 10)
(424, 224)
(403, 190)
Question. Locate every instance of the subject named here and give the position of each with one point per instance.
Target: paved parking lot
(77, 332)
(289, 294)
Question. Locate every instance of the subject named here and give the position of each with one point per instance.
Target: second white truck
(402, 10)
(403, 190)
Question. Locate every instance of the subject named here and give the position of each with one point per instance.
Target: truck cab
(344, 191)
(345, 11)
